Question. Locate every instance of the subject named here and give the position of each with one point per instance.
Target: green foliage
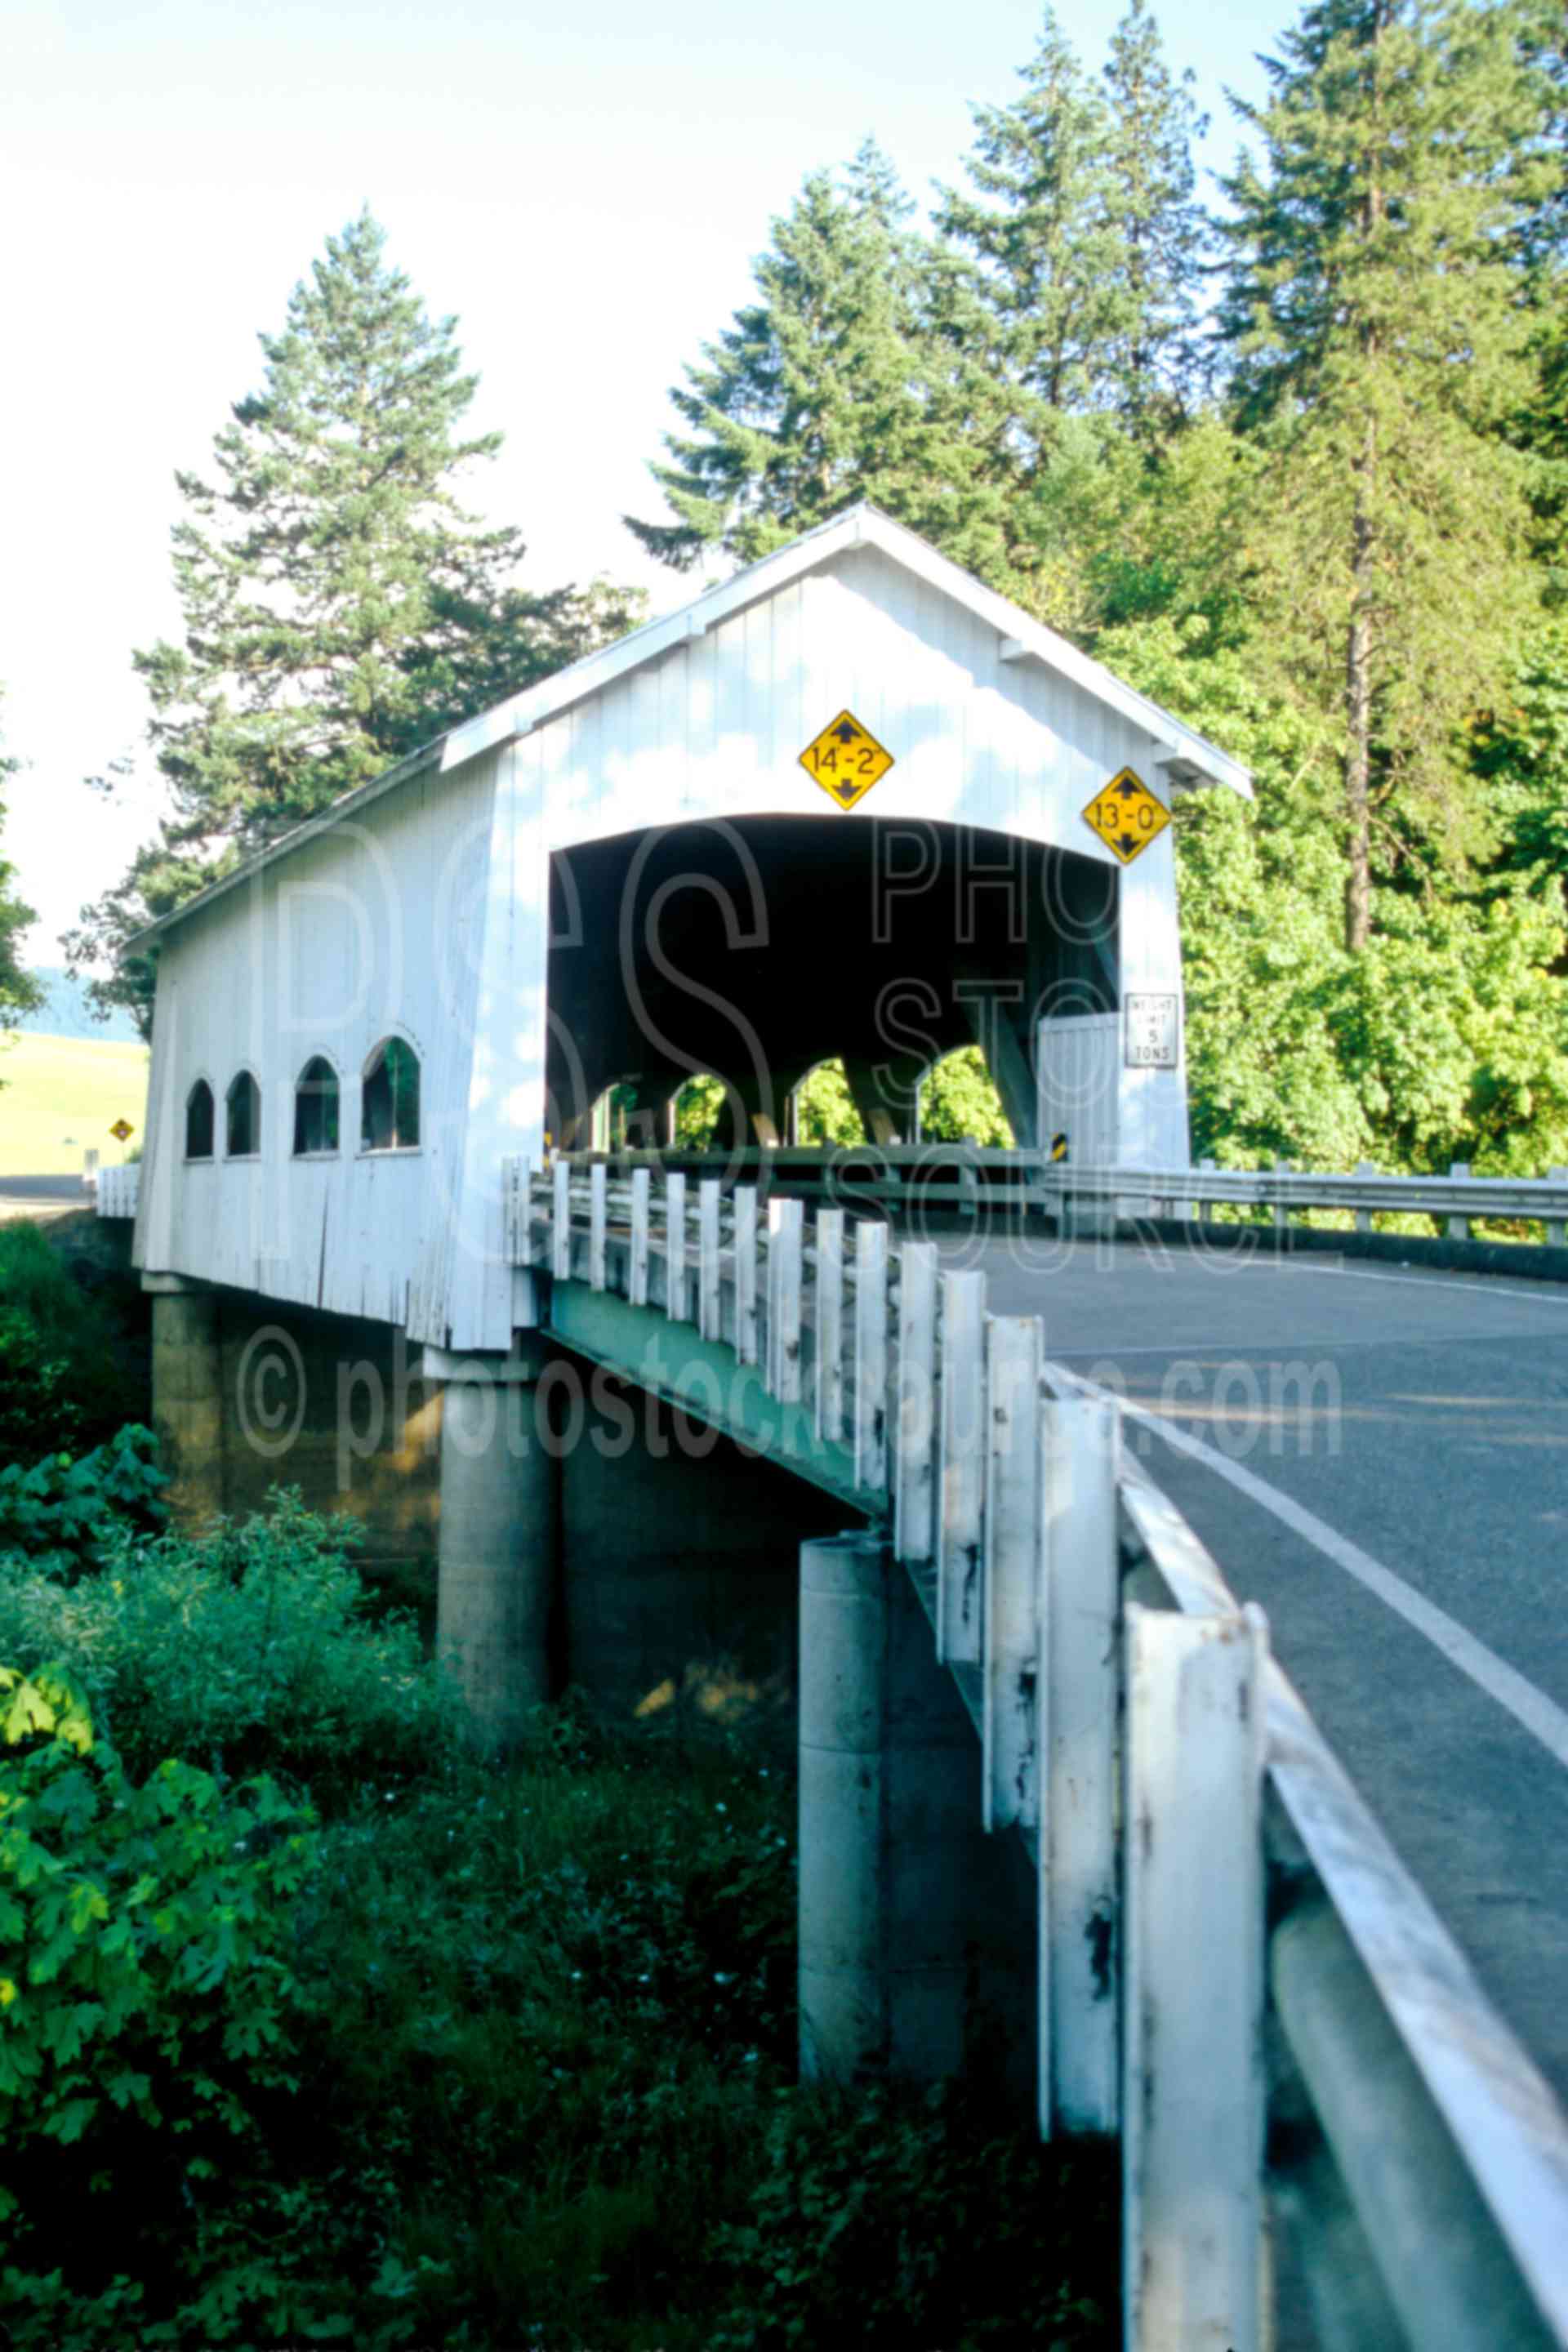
(850, 2233)
(66, 1373)
(146, 2007)
(248, 1646)
(825, 1107)
(958, 1099)
(61, 1514)
(339, 607)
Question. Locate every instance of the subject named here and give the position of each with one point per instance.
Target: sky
(584, 188)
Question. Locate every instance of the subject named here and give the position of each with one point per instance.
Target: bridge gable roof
(1188, 757)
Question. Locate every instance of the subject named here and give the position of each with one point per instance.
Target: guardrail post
(1206, 1208)
(913, 1495)
(1080, 1577)
(1011, 1633)
(708, 1312)
(641, 1183)
(675, 1248)
(961, 1472)
(561, 1221)
(746, 1274)
(1555, 1225)
(598, 1194)
(871, 1355)
(785, 1248)
(1281, 1168)
(1364, 1216)
(1193, 2021)
(1458, 1227)
(830, 1324)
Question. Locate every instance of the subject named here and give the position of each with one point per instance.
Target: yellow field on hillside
(58, 1096)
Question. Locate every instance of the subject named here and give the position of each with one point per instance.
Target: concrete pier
(498, 1548)
(915, 1926)
(187, 1395)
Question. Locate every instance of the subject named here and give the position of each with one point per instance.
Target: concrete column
(187, 1395)
(498, 1544)
(916, 1929)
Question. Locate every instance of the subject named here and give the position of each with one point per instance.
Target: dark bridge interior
(753, 948)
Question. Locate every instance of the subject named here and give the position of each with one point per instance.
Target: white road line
(1531, 1707)
(1547, 1296)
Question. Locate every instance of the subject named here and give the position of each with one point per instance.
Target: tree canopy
(1299, 469)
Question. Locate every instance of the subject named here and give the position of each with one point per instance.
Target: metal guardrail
(967, 1177)
(1210, 1883)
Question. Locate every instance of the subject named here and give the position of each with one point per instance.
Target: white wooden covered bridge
(627, 875)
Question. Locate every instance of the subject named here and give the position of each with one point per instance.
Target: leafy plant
(60, 1513)
(65, 1372)
(146, 2000)
(248, 1646)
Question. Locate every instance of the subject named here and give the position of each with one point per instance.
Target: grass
(60, 1095)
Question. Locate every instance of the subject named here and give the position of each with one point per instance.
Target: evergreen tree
(340, 606)
(1374, 305)
(19, 993)
(821, 394)
(1152, 207)
(1041, 229)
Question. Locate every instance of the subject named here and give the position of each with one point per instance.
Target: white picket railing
(118, 1189)
(1210, 1885)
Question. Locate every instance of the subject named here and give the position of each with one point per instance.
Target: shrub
(146, 2004)
(247, 1647)
(895, 2219)
(65, 1374)
(60, 1512)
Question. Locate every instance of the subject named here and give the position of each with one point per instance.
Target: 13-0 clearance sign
(1126, 816)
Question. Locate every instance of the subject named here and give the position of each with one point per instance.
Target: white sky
(584, 188)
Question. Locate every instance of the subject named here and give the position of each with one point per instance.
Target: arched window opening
(244, 1130)
(316, 1109)
(389, 1115)
(199, 1121)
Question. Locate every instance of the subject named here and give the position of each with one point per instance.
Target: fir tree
(19, 993)
(1041, 229)
(821, 394)
(1374, 305)
(1152, 205)
(340, 606)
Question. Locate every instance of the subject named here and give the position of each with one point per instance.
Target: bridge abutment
(913, 1923)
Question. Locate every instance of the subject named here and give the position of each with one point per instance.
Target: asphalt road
(1423, 1416)
(51, 1189)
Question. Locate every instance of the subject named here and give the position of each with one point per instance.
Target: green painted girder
(704, 1378)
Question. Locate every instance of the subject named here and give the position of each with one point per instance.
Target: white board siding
(714, 728)
(375, 927)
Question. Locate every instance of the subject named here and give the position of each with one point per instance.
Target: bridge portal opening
(753, 949)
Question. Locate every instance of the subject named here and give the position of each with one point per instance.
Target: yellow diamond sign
(1126, 816)
(846, 760)
(122, 1130)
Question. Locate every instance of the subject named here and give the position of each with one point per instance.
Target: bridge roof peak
(1187, 757)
